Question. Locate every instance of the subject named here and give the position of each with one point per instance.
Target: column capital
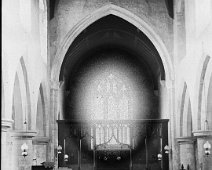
(6, 124)
(23, 134)
(186, 140)
(203, 133)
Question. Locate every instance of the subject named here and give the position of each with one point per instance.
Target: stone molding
(55, 85)
(40, 140)
(6, 124)
(186, 140)
(122, 13)
(23, 134)
(203, 133)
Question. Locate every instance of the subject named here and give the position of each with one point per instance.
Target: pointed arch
(41, 115)
(189, 120)
(182, 108)
(28, 99)
(124, 14)
(185, 113)
(201, 93)
(209, 104)
(17, 109)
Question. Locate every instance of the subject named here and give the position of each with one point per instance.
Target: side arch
(185, 114)
(17, 108)
(28, 100)
(41, 114)
(124, 14)
(206, 109)
(209, 104)
(202, 91)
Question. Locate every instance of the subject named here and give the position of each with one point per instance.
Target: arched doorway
(111, 75)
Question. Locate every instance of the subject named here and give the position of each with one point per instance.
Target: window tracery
(111, 102)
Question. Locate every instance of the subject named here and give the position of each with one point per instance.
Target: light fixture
(207, 147)
(59, 149)
(24, 146)
(159, 156)
(24, 149)
(166, 148)
(65, 157)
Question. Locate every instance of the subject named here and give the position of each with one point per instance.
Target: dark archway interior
(112, 31)
(110, 34)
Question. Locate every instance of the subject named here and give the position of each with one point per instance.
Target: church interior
(106, 85)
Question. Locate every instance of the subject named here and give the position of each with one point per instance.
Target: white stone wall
(198, 47)
(193, 68)
(24, 37)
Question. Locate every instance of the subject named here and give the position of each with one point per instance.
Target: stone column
(5, 143)
(164, 106)
(40, 149)
(203, 162)
(60, 98)
(173, 156)
(187, 152)
(18, 161)
(53, 128)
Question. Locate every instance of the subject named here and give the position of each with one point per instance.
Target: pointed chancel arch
(111, 9)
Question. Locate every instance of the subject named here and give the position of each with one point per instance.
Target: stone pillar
(187, 152)
(18, 161)
(163, 106)
(40, 149)
(5, 143)
(53, 128)
(203, 162)
(60, 98)
(173, 156)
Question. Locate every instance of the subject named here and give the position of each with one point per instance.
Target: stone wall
(69, 13)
